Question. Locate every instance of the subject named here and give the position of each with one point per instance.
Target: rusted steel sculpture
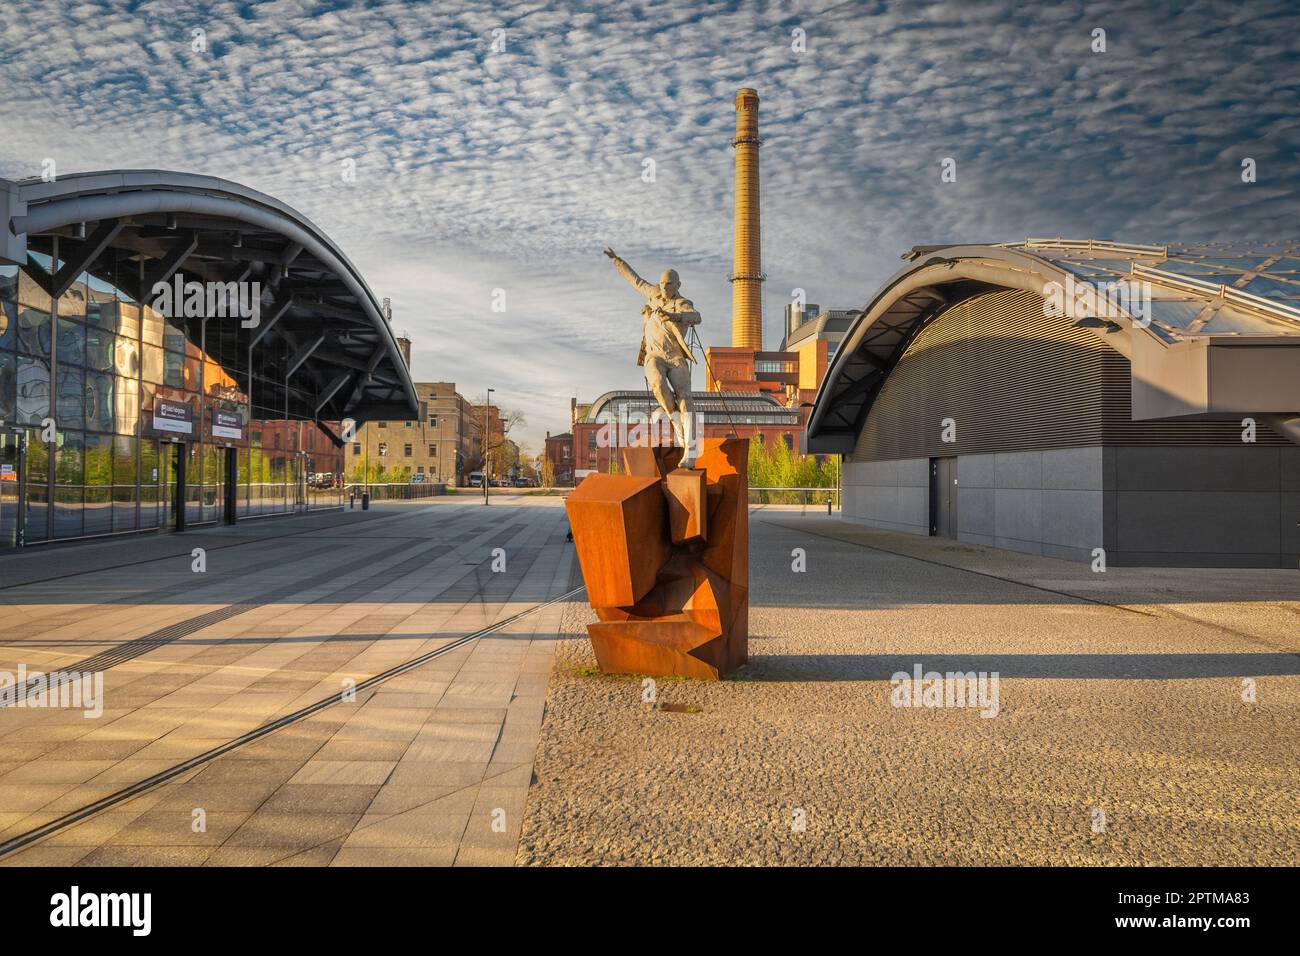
(665, 555)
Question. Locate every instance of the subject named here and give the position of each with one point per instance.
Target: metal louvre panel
(1014, 379)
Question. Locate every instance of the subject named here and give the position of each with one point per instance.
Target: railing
(807, 497)
(398, 490)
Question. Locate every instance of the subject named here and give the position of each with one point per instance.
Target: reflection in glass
(72, 398)
(98, 505)
(68, 474)
(33, 390)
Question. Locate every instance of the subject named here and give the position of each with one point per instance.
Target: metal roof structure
(1211, 330)
(341, 358)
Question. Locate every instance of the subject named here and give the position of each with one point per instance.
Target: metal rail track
(73, 817)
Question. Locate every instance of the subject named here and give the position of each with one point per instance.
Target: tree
(548, 473)
(490, 426)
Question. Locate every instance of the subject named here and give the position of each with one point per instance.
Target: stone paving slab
(404, 773)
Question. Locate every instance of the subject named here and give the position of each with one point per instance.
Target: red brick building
(559, 452)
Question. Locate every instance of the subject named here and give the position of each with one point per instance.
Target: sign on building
(227, 424)
(176, 417)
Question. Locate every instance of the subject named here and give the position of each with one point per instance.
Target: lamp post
(487, 471)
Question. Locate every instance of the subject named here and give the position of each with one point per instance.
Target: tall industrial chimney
(747, 269)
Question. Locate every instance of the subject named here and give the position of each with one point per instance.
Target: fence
(807, 497)
(397, 490)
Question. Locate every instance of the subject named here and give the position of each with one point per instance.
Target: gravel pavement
(1121, 736)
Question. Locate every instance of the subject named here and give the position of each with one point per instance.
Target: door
(943, 497)
(173, 459)
(230, 484)
(13, 504)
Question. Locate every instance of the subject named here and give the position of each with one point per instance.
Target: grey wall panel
(1289, 467)
(914, 507)
(1074, 469)
(1018, 514)
(1244, 468)
(978, 471)
(1020, 469)
(914, 473)
(1222, 522)
(1289, 506)
(1073, 519)
(884, 494)
(975, 510)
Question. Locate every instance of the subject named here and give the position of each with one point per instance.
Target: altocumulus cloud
(479, 169)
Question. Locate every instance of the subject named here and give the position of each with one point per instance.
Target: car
(476, 479)
(417, 478)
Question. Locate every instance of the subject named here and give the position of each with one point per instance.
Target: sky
(457, 147)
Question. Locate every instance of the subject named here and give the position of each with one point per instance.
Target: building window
(383, 449)
(433, 451)
(408, 424)
(406, 449)
(420, 469)
(356, 448)
(381, 424)
(433, 420)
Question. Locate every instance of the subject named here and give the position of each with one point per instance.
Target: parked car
(418, 478)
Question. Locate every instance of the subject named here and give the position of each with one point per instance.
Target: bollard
(352, 500)
(365, 501)
(828, 505)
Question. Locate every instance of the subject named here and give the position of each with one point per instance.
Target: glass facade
(81, 378)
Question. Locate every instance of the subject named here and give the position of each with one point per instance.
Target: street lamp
(487, 471)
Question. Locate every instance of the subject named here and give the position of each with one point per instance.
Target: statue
(665, 354)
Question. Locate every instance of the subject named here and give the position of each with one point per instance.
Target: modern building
(796, 315)
(618, 420)
(814, 338)
(1059, 397)
(438, 442)
(176, 350)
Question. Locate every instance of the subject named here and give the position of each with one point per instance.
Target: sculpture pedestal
(665, 556)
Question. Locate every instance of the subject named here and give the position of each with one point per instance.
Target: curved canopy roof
(742, 407)
(1174, 311)
(341, 359)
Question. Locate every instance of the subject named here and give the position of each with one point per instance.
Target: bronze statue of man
(666, 319)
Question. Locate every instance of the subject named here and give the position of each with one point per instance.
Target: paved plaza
(1123, 730)
(430, 766)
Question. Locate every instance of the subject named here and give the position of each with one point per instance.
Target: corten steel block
(657, 461)
(688, 506)
(691, 619)
(620, 532)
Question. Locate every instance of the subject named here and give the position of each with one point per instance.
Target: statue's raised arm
(627, 272)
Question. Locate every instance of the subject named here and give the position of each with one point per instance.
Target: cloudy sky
(478, 169)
